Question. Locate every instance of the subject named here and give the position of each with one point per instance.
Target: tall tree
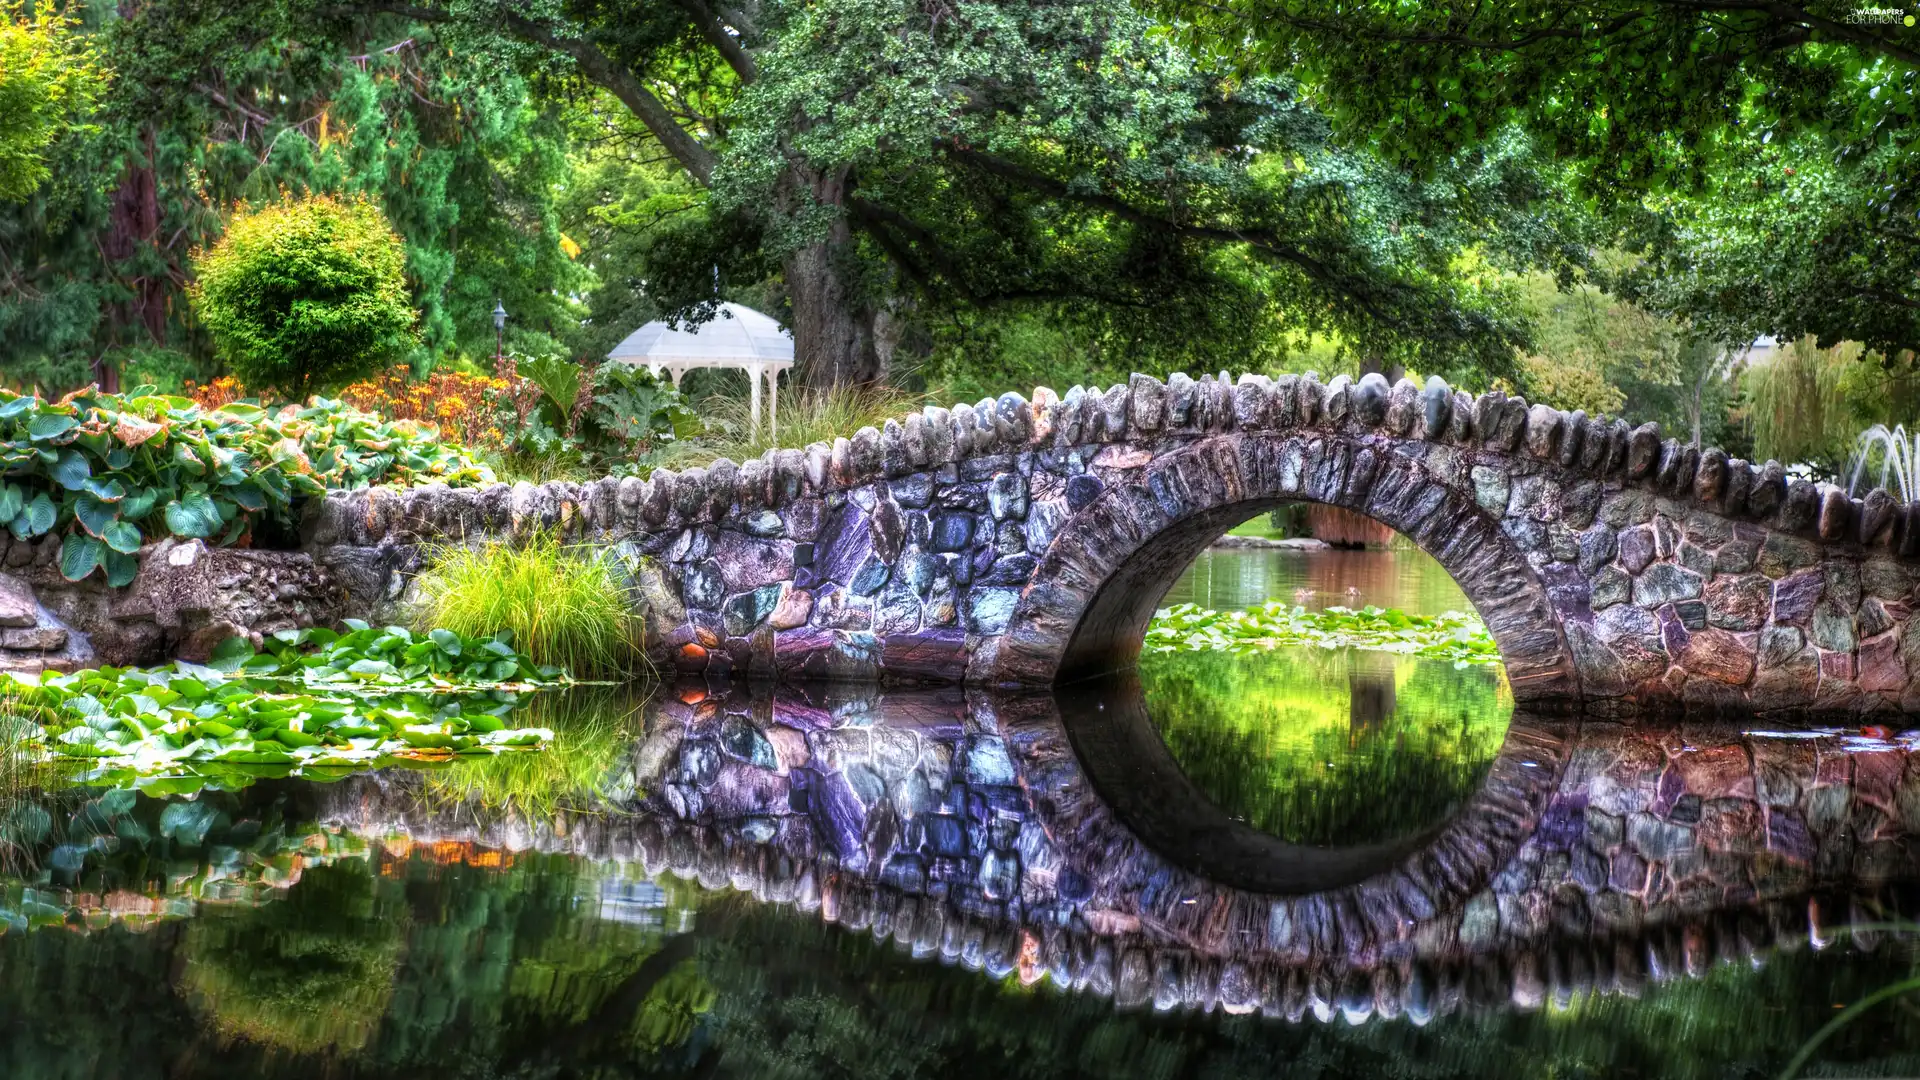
(893, 156)
(225, 103)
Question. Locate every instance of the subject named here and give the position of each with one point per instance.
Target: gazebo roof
(737, 334)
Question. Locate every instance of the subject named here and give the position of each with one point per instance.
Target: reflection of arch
(1144, 790)
(1096, 589)
(1127, 815)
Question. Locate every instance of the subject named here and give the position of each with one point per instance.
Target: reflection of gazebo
(736, 337)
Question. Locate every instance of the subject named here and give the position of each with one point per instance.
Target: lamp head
(499, 316)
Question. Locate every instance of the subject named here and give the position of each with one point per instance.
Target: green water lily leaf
(79, 556)
(230, 654)
(448, 641)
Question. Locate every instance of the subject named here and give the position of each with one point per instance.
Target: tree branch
(596, 66)
(727, 45)
(1273, 245)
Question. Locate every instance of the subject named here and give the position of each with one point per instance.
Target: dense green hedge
(110, 471)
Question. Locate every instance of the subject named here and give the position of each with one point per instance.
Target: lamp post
(499, 332)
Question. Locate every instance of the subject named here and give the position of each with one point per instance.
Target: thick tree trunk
(833, 334)
(134, 221)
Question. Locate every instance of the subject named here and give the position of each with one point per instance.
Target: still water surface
(1304, 865)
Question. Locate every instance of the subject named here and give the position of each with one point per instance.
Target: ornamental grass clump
(564, 606)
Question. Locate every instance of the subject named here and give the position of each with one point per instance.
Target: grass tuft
(805, 416)
(566, 606)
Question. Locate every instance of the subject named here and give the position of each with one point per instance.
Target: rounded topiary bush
(306, 296)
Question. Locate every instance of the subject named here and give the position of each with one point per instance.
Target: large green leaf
(184, 457)
(122, 536)
(37, 518)
(122, 568)
(80, 555)
(194, 515)
(45, 426)
(108, 490)
(12, 501)
(95, 515)
(71, 470)
(138, 503)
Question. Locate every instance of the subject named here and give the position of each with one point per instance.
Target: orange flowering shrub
(221, 391)
(462, 405)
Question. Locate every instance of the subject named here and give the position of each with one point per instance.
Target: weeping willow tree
(1808, 405)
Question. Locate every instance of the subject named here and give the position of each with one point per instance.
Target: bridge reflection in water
(1053, 838)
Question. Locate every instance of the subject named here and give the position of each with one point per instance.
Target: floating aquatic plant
(316, 701)
(1453, 636)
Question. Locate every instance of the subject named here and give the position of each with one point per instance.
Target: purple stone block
(843, 546)
(1795, 595)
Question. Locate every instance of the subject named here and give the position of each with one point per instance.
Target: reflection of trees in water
(312, 973)
(1370, 691)
(1328, 747)
(514, 992)
(1400, 577)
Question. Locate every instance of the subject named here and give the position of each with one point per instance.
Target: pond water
(1305, 863)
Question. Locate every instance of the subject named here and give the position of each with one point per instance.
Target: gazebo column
(772, 404)
(754, 372)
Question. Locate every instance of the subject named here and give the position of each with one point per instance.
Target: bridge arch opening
(1113, 559)
(1317, 727)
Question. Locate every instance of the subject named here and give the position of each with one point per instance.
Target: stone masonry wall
(187, 598)
(977, 543)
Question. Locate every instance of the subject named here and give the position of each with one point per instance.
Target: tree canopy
(1758, 155)
(49, 81)
(898, 161)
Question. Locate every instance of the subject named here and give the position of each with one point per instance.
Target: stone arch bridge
(1026, 542)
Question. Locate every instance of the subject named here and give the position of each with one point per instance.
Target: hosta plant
(108, 472)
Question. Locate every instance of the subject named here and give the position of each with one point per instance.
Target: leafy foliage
(306, 296)
(605, 419)
(368, 657)
(1453, 636)
(111, 471)
(1760, 155)
(50, 80)
(462, 404)
(565, 606)
(367, 698)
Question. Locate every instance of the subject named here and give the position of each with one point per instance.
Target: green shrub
(307, 296)
(110, 471)
(565, 606)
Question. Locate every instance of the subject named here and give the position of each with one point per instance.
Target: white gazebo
(736, 337)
